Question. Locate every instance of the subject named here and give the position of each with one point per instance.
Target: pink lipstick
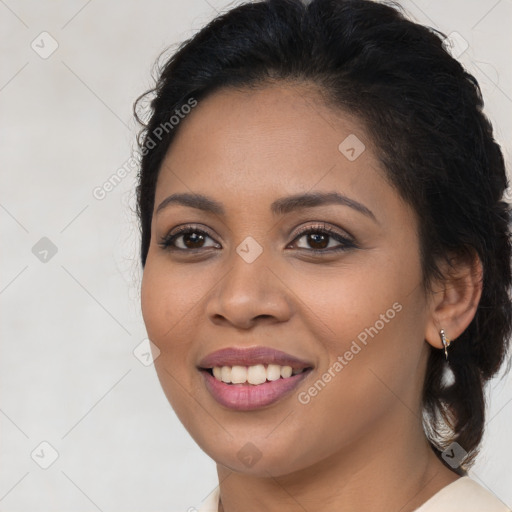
(249, 378)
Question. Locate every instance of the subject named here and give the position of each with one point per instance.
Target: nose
(249, 293)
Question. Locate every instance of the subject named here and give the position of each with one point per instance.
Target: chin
(257, 458)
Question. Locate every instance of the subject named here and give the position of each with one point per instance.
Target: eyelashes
(326, 232)
(168, 242)
(321, 234)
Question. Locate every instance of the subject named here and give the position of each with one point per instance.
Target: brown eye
(323, 239)
(192, 240)
(187, 239)
(318, 240)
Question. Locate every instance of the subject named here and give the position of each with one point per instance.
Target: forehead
(275, 135)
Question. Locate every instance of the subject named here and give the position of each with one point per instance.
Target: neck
(392, 469)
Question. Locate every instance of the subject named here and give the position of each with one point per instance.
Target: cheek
(156, 298)
(168, 305)
(164, 310)
(370, 326)
(355, 301)
(170, 297)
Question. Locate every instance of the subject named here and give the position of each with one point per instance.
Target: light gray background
(69, 325)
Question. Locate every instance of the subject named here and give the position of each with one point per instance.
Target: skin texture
(362, 432)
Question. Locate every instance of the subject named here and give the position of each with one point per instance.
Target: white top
(462, 495)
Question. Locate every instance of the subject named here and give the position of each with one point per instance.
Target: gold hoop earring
(446, 343)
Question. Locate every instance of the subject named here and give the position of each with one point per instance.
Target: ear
(453, 300)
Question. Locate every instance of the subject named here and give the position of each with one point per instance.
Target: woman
(326, 258)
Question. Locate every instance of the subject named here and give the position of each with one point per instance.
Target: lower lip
(246, 397)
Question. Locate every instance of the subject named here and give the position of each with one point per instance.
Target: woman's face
(353, 314)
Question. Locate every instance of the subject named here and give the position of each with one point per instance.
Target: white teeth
(257, 374)
(273, 372)
(238, 374)
(226, 374)
(286, 371)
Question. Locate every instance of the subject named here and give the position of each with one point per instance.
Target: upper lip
(251, 356)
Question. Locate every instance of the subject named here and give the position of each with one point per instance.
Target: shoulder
(464, 495)
(211, 503)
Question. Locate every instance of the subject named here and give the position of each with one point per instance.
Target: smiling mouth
(249, 378)
(253, 375)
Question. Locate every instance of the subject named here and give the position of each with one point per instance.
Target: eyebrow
(280, 206)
